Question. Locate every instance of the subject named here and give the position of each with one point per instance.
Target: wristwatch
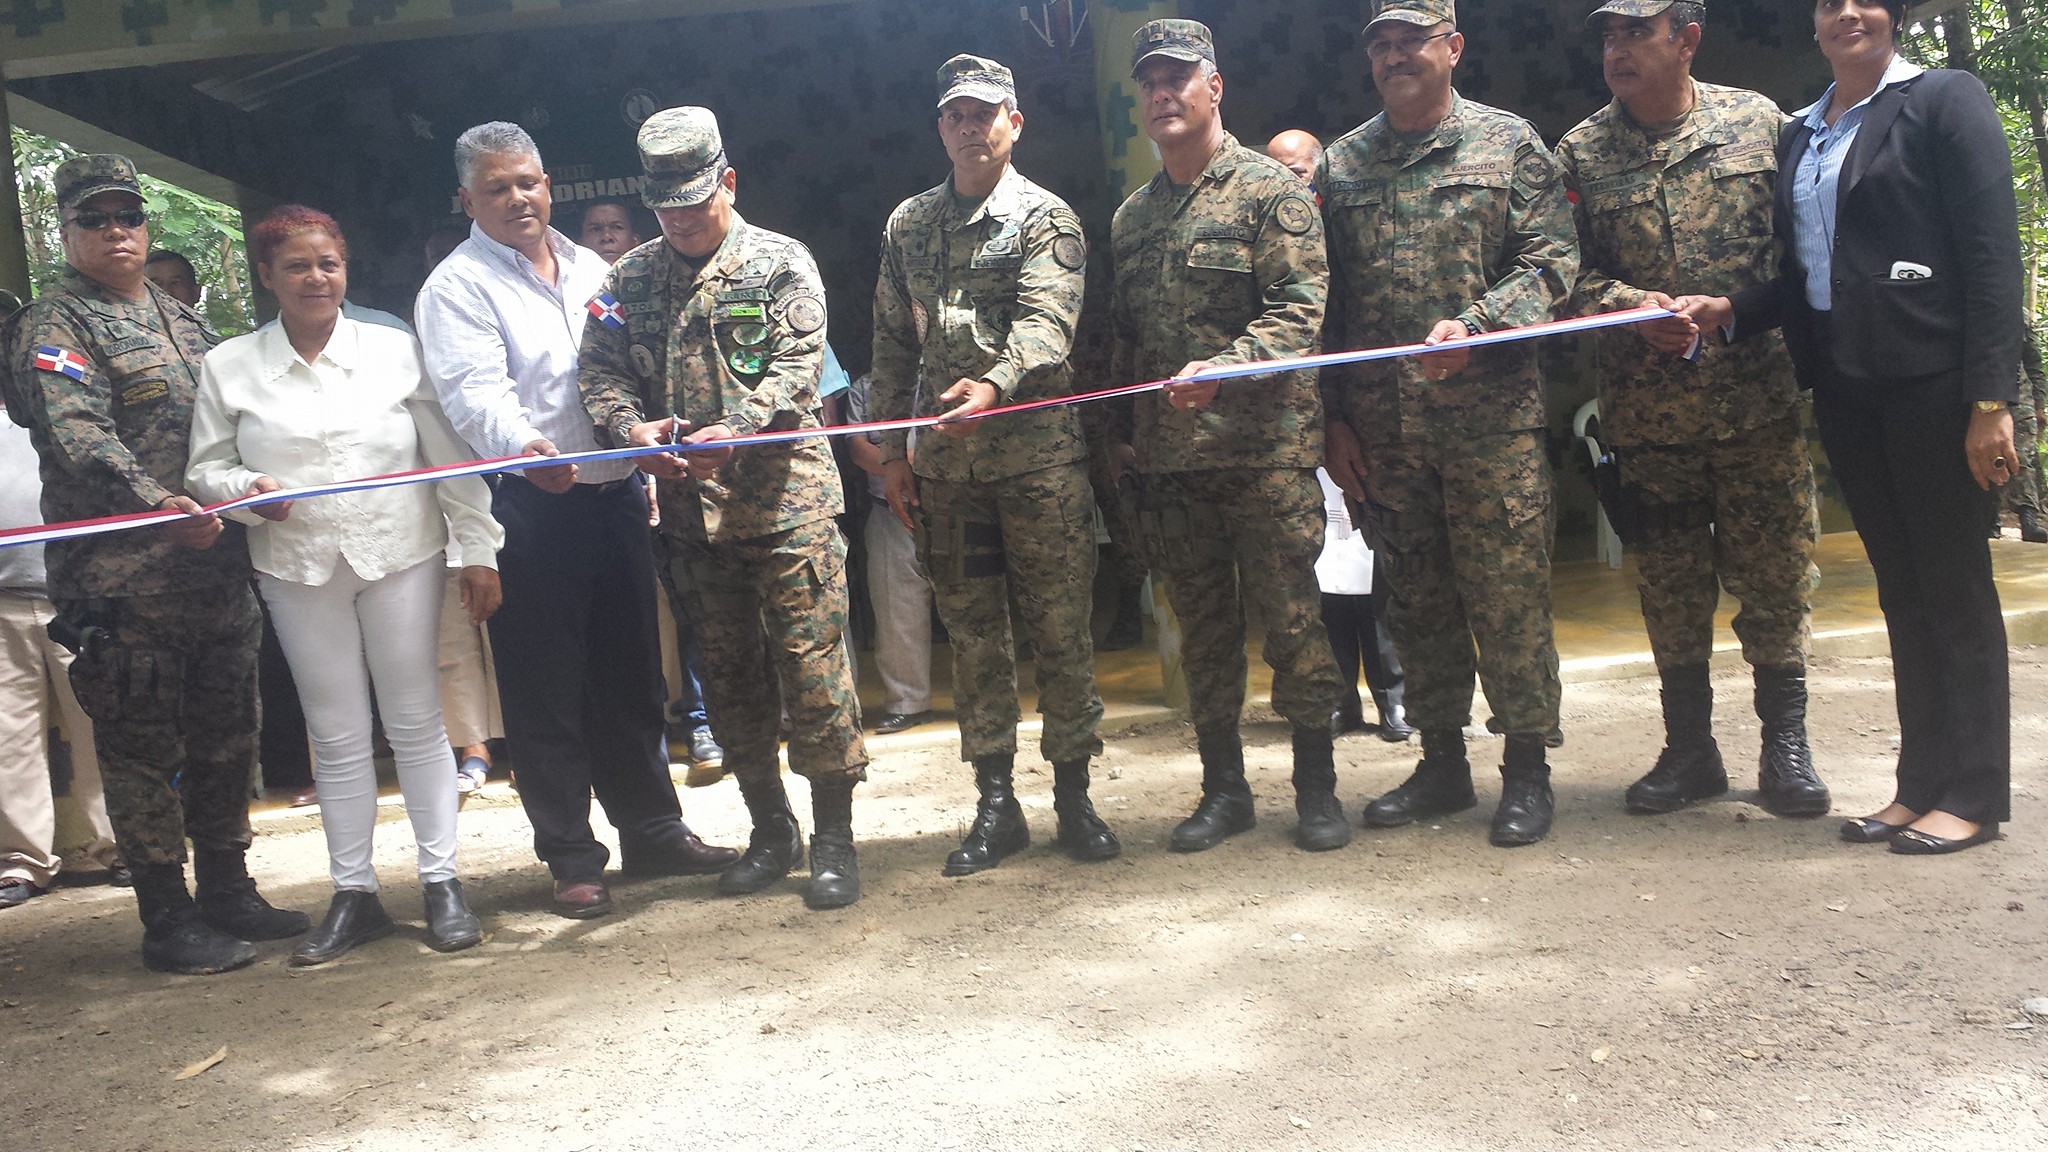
(1990, 405)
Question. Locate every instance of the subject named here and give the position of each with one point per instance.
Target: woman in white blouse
(353, 581)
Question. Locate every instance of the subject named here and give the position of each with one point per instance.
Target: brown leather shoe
(681, 854)
(582, 899)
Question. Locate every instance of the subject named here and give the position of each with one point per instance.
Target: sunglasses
(1408, 46)
(93, 221)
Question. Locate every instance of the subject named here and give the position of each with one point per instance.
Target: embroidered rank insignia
(605, 307)
(61, 360)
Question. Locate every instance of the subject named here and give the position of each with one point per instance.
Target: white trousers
(35, 696)
(902, 600)
(341, 638)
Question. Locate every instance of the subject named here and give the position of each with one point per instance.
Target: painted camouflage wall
(827, 112)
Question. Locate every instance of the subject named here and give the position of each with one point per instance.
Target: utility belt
(1635, 519)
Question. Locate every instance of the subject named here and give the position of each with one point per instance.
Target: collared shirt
(501, 344)
(1817, 178)
(21, 495)
(363, 407)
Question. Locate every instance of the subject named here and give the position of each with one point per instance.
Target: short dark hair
(158, 256)
(1898, 10)
(1685, 12)
(287, 221)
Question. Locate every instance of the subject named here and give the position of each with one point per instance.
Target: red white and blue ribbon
(74, 529)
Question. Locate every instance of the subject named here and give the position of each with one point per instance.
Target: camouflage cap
(1631, 8)
(1421, 13)
(83, 177)
(1179, 39)
(976, 77)
(683, 156)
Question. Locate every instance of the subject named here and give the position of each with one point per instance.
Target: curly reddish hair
(287, 221)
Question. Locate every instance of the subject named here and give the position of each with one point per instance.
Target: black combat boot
(777, 844)
(1128, 629)
(174, 937)
(1226, 805)
(2030, 527)
(1323, 826)
(1689, 767)
(1440, 785)
(1785, 775)
(835, 873)
(1082, 833)
(228, 899)
(999, 830)
(1525, 798)
(1394, 727)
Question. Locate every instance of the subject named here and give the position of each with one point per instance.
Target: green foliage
(2008, 44)
(206, 232)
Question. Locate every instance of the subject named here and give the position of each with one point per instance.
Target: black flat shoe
(1868, 830)
(1912, 842)
(355, 917)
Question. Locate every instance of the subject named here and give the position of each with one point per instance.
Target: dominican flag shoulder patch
(604, 306)
(64, 360)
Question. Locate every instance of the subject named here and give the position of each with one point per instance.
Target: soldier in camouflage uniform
(979, 292)
(2024, 497)
(102, 371)
(721, 325)
(1446, 218)
(1673, 183)
(1219, 261)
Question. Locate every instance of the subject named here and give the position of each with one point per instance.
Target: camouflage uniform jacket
(1228, 269)
(108, 386)
(1467, 222)
(742, 344)
(992, 293)
(1687, 213)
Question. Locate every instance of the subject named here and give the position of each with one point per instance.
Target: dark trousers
(287, 760)
(579, 670)
(1359, 638)
(1896, 448)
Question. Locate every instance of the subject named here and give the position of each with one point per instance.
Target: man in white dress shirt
(578, 660)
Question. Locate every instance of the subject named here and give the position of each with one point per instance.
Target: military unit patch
(1535, 171)
(1070, 251)
(805, 315)
(643, 360)
(1294, 214)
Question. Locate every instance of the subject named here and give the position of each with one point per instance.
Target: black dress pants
(1359, 639)
(1896, 448)
(579, 670)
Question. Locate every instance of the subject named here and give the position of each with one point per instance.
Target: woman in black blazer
(1899, 291)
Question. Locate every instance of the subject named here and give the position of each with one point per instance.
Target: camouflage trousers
(1758, 489)
(1467, 531)
(2023, 492)
(172, 697)
(1031, 537)
(770, 615)
(1237, 537)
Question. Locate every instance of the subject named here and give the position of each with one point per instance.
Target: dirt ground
(1714, 979)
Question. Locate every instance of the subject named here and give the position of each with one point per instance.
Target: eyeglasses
(93, 221)
(1408, 46)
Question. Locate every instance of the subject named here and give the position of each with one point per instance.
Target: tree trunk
(1955, 33)
(2016, 17)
